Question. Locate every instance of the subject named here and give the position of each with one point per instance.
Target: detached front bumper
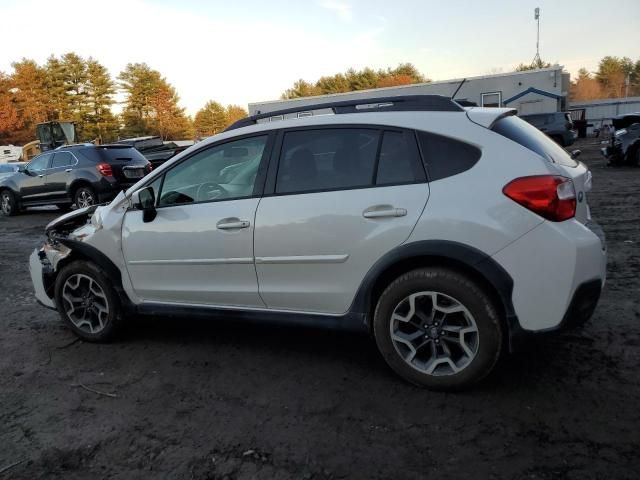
(43, 264)
(36, 269)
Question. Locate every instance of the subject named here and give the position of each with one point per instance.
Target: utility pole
(536, 62)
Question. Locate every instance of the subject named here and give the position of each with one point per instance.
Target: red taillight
(105, 169)
(550, 196)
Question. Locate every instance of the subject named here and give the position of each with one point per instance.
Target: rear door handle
(232, 224)
(382, 211)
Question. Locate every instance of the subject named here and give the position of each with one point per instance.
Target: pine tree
(100, 88)
(210, 119)
(233, 113)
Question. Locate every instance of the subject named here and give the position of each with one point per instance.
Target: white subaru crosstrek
(449, 233)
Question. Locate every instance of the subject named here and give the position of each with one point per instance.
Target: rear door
(58, 175)
(336, 201)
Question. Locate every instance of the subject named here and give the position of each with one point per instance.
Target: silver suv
(451, 234)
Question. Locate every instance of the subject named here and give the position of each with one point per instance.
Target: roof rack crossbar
(405, 103)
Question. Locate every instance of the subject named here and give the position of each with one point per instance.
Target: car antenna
(458, 89)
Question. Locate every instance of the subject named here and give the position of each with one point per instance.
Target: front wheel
(436, 328)
(84, 197)
(86, 301)
(8, 203)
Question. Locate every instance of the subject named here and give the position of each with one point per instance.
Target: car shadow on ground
(312, 345)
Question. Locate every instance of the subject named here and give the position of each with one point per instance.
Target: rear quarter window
(445, 157)
(530, 137)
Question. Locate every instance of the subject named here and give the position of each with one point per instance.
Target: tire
(84, 197)
(65, 207)
(8, 203)
(86, 301)
(427, 331)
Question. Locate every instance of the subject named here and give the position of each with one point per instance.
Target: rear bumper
(558, 271)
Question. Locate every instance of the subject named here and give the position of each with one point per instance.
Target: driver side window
(223, 172)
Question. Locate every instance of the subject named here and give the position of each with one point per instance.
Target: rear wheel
(436, 328)
(84, 197)
(8, 203)
(86, 301)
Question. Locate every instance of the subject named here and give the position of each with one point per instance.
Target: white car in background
(451, 234)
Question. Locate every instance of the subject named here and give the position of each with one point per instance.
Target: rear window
(114, 154)
(530, 137)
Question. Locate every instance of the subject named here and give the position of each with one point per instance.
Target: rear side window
(113, 154)
(399, 160)
(327, 159)
(62, 159)
(445, 157)
(530, 137)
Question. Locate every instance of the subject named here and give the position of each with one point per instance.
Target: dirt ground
(197, 399)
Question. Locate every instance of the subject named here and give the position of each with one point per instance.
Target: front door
(199, 248)
(342, 198)
(33, 184)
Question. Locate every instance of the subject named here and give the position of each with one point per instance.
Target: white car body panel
(313, 250)
(547, 265)
(182, 257)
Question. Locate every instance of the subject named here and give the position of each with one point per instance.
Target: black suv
(76, 174)
(557, 125)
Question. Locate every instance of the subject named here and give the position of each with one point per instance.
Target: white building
(532, 91)
(10, 153)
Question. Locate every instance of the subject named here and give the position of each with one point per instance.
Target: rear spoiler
(487, 117)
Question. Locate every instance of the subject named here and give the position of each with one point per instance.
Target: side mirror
(145, 200)
(575, 154)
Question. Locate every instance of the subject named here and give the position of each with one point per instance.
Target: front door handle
(232, 224)
(68, 170)
(382, 211)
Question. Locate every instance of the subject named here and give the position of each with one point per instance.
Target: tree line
(352, 80)
(615, 78)
(83, 91)
(72, 88)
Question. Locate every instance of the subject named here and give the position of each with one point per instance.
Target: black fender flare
(82, 250)
(444, 253)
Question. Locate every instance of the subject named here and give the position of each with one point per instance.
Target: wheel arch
(478, 266)
(76, 184)
(82, 251)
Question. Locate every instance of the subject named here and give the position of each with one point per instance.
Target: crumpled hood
(77, 218)
(73, 218)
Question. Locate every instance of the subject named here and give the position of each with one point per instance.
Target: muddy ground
(196, 399)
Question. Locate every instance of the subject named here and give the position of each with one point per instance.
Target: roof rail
(405, 103)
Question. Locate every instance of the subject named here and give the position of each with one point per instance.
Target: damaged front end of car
(68, 236)
(624, 146)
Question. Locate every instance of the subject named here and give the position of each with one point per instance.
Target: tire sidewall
(91, 270)
(464, 291)
(13, 203)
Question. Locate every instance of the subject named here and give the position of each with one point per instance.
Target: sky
(242, 51)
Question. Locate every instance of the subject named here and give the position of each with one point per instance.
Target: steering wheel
(209, 191)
